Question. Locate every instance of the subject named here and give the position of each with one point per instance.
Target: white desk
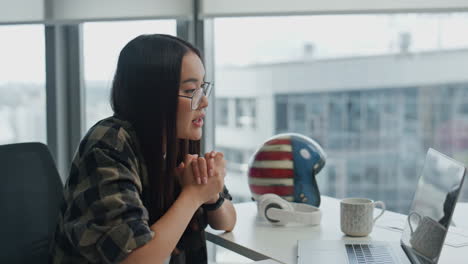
(460, 216)
(259, 240)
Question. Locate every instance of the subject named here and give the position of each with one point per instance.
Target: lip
(198, 122)
(198, 117)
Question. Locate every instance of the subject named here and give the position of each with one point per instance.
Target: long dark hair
(145, 93)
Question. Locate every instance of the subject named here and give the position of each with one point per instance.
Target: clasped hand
(204, 174)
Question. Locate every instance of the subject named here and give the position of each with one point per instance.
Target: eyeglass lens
(197, 96)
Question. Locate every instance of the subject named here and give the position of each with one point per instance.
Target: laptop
(423, 236)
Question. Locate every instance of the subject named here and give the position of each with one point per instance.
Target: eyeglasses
(197, 95)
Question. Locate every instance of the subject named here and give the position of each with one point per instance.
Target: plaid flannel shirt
(103, 217)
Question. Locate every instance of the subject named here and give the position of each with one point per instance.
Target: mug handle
(382, 206)
(409, 220)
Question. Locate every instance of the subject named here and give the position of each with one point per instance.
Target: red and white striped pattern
(272, 169)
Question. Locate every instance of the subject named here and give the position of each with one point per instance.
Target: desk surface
(259, 240)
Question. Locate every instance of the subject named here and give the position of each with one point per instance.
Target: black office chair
(30, 196)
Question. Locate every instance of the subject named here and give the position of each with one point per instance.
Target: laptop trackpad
(320, 251)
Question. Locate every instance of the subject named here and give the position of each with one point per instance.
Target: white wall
(21, 11)
(249, 138)
(355, 73)
(108, 9)
(246, 83)
(52, 11)
(243, 82)
(375, 72)
(12, 11)
(212, 8)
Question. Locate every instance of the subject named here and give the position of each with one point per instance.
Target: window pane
(102, 43)
(22, 84)
(281, 116)
(245, 112)
(222, 112)
(376, 91)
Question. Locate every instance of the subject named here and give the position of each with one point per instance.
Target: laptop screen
(432, 208)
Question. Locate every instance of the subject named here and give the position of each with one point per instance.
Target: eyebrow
(194, 80)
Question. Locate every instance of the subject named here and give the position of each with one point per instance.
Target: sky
(241, 41)
(283, 38)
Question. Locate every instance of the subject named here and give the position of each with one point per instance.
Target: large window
(22, 84)
(222, 112)
(376, 91)
(103, 42)
(245, 113)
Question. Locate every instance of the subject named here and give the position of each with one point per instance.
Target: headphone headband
(278, 211)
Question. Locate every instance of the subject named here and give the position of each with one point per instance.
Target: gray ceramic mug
(428, 237)
(357, 216)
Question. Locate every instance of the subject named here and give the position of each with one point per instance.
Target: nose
(203, 102)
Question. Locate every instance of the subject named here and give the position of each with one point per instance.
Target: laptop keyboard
(368, 254)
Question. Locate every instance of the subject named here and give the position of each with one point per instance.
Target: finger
(195, 169)
(189, 158)
(203, 170)
(219, 156)
(187, 163)
(199, 176)
(209, 161)
(180, 168)
(181, 165)
(211, 168)
(210, 154)
(196, 174)
(219, 161)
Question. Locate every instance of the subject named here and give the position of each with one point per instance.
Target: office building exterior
(375, 117)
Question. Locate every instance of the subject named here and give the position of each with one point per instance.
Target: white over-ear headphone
(278, 211)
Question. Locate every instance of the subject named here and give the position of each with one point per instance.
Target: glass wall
(376, 91)
(102, 43)
(22, 84)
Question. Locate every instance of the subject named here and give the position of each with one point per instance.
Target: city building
(375, 116)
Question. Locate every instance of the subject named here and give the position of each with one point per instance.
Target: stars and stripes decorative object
(286, 165)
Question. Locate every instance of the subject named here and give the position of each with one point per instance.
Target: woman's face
(190, 122)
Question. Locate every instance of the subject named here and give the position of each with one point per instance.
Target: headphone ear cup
(261, 201)
(269, 201)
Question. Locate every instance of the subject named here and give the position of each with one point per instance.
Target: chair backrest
(30, 196)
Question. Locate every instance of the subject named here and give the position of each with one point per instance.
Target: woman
(137, 190)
